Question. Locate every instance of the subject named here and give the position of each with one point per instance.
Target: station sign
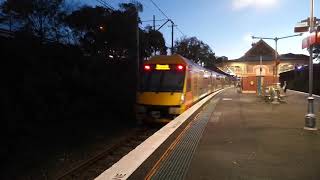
(312, 39)
(301, 27)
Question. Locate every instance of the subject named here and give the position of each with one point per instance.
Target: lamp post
(309, 42)
(275, 74)
(260, 77)
(310, 117)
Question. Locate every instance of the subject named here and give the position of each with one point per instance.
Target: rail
(126, 166)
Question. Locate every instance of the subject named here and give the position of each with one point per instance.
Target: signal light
(147, 67)
(180, 67)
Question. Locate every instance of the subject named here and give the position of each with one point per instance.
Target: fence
(298, 79)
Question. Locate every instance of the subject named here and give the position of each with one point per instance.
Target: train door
(189, 93)
(194, 79)
(201, 84)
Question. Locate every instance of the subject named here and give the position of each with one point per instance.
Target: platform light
(299, 67)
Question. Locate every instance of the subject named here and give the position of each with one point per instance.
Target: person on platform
(284, 87)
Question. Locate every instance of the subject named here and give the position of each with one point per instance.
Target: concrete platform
(239, 136)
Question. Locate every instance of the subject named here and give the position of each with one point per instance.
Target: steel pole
(310, 117)
(276, 59)
(172, 34)
(137, 51)
(275, 99)
(260, 77)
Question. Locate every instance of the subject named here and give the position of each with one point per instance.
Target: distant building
(247, 67)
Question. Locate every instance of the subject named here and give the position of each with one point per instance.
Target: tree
(131, 7)
(41, 18)
(112, 33)
(103, 32)
(153, 42)
(316, 51)
(221, 59)
(195, 50)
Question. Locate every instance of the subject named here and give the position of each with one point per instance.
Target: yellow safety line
(168, 151)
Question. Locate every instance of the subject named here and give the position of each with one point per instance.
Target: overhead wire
(164, 14)
(105, 4)
(180, 31)
(159, 9)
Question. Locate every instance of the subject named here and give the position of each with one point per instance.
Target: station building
(256, 68)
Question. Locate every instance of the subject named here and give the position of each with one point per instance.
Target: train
(169, 85)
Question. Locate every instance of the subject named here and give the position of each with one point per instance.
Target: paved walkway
(246, 138)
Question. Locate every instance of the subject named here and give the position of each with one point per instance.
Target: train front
(162, 86)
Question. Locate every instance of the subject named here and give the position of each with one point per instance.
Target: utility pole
(154, 28)
(172, 31)
(260, 77)
(137, 50)
(276, 80)
(172, 36)
(154, 22)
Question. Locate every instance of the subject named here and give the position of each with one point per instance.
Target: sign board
(313, 38)
(301, 27)
(162, 67)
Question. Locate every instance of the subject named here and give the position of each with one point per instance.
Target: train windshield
(163, 81)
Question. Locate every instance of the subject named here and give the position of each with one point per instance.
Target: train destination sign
(162, 67)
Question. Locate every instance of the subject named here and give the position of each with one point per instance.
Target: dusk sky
(227, 25)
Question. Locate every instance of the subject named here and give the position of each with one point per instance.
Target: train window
(172, 81)
(149, 80)
(162, 81)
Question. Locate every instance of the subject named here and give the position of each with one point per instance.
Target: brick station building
(247, 67)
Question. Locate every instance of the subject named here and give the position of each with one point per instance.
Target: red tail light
(147, 67)
(180, 67)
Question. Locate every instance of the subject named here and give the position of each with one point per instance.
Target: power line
(159, 9)
(162, 12)
(180, 31)
(154, 20)
(105, 4)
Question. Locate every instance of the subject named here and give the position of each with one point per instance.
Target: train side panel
(198, 82)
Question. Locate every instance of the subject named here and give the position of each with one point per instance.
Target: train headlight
(182, 99)
(174, 110)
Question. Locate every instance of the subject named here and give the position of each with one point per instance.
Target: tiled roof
(289, 56)
(262, 49)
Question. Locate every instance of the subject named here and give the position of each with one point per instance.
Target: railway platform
(240, 136)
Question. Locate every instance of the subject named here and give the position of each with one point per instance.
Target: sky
(227, 25)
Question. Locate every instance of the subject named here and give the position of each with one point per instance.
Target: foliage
(221, 59)
(112, 34)
(98, 30)
(316, 51)
(42, 18)
(195, 50)
(153, 43)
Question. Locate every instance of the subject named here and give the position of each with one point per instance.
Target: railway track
(92, 167)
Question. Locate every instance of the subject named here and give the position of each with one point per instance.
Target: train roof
(178, 59)
(173, 59)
